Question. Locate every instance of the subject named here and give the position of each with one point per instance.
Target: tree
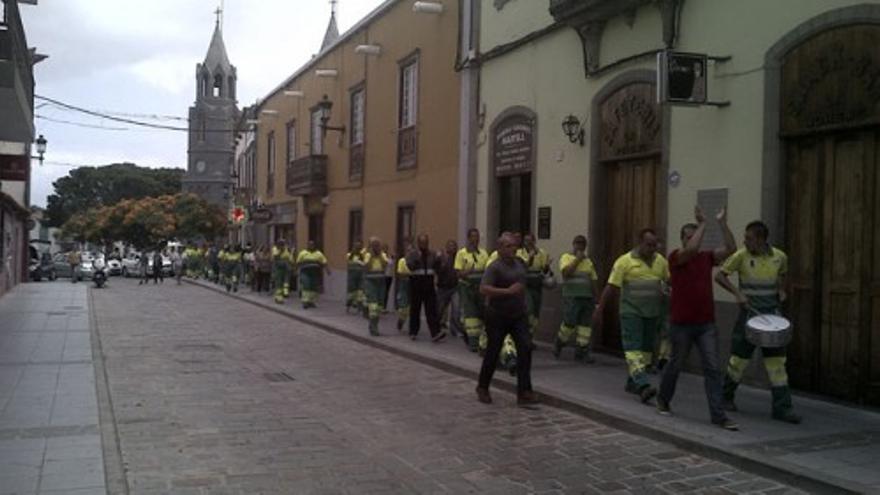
(148, 222)
(93, 187)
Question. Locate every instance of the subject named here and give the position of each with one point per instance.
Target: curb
(115, 480)
(765, 466)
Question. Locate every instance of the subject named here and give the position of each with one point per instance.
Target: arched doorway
(829, 109)
(512, 181)
(628, 176)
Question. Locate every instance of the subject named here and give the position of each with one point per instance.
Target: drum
(768, 331)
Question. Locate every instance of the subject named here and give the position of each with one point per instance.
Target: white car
(131, 265)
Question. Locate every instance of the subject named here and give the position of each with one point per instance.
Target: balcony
(307, 176)
(16, 78)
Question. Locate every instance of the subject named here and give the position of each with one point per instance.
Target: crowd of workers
(493, 301)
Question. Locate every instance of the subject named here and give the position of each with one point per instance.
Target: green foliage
(93, 187)
(147, 222)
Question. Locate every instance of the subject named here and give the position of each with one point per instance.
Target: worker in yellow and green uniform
(282, 259)
(355, 277)
(310, 262)
(761, 269)
(637, 280)
(401, 287)
(538, 266)
(579, 294)
(470, 263)
(225, 272)
(375, 261)
(234, 260)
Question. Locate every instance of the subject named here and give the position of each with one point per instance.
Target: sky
(136, 58)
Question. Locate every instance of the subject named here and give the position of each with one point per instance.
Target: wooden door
(831, 126)
(630, 161)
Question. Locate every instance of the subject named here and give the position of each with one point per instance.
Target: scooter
(100, 275)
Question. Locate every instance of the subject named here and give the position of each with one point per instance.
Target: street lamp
(41, 148)
(324, 107)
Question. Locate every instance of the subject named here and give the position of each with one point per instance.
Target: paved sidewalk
(49, 437)
(836, 446)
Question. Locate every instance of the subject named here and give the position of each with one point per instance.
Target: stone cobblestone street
(212, 395)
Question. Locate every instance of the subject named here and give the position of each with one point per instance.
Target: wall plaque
(544, 221)
(513, 150)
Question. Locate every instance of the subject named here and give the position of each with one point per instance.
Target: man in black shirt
(504, 285)
(423, 265)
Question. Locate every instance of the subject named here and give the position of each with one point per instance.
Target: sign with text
(513, 149)
(14, 167)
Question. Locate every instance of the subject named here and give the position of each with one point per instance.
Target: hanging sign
(682, 77)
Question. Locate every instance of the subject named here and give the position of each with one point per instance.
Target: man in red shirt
(692, 314)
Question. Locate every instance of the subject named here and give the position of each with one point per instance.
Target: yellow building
(363, 139)
(798, 146)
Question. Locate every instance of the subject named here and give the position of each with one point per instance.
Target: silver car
(63, 269)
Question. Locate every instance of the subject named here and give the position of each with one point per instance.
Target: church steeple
(332, 33)
(216, 77)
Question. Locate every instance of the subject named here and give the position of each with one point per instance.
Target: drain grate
(197, 347)
(278, 377)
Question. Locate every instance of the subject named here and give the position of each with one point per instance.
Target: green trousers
(638, 335)
(308, 285)
(281, 280)
(741, 351)
(472, 313)
(374, 288)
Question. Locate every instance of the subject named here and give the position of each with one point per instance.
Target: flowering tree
(148, 222)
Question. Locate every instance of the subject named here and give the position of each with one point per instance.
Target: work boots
(782, 408)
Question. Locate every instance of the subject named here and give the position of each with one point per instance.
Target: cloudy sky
(136, 57)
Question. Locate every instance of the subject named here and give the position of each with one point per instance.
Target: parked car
(62, 266)
(131, 265)
(114, 266)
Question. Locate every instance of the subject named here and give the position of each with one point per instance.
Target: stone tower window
(218, 86)
(230, 88)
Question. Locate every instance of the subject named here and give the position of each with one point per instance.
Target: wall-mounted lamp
(368, 49)
(571, 126)
(428, 7)
(326, 72)
(324, 107)
(294, 94)
(41, 148)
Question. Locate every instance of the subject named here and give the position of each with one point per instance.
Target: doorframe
(492, 194)
(773, 167)
(598, 178)
(773, 197)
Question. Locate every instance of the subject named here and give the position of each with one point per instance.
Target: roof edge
(369, 18)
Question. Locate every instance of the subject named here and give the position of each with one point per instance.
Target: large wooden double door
(630, 157)
(831, 133)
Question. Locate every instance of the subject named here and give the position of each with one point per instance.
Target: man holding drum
(692, 313)
(761, 269)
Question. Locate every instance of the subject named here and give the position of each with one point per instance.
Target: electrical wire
(80, 124)
(124, 120)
